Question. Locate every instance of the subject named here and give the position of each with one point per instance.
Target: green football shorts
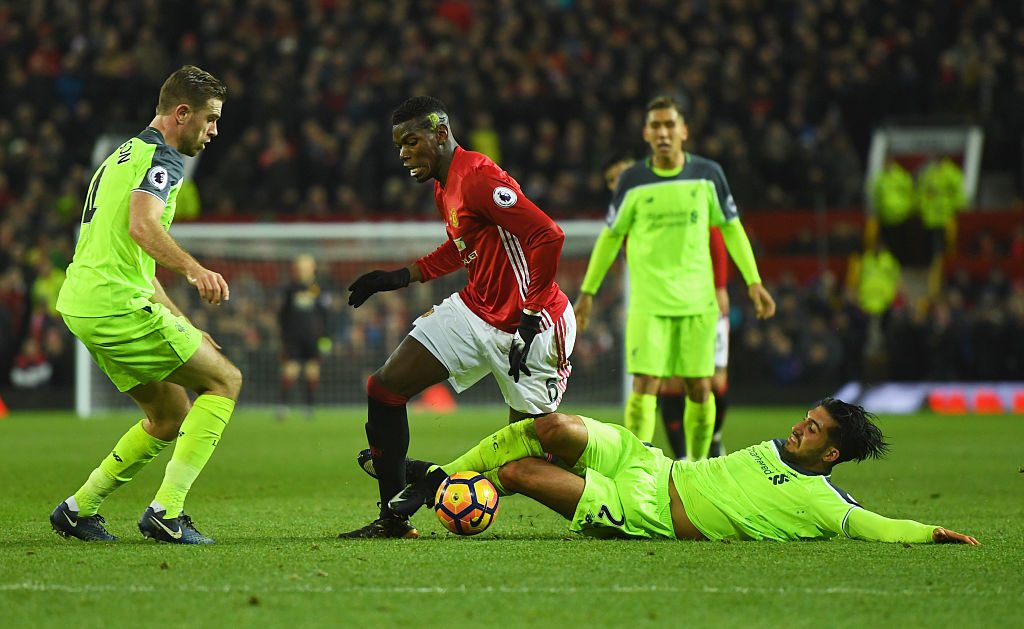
(671, 346)
(139, 347)
(626, 492)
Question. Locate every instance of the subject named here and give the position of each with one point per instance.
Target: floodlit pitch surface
(276, 494)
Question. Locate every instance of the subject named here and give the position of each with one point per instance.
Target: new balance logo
(117, 458)
(778, 479)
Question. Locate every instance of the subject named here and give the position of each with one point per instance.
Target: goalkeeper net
(256, 260)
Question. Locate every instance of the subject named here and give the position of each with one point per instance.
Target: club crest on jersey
(157, 176)
(453, 217)
(504, 196)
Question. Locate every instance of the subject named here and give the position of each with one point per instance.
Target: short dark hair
(419, 106)
(615, 158)
(855, 435)
(663, 102)
(192, 85)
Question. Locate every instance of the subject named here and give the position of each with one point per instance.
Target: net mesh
(257, 260)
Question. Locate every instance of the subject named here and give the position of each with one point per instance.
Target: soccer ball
(466, 503)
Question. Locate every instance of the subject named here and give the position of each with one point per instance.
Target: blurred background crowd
(784, 94)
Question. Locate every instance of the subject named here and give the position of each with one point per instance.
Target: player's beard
(805, 459)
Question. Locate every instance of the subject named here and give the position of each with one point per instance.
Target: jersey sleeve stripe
(846, 520)
(152, 194)
(516, 259)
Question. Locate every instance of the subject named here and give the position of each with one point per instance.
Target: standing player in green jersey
(665, 206)
(777, 490)
(115, 305)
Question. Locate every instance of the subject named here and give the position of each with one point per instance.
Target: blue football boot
(180, 530)
(67, 523)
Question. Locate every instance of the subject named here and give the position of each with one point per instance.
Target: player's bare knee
(233, 381)
(698, 390)
(379, 388)
(555, 428)
(226, 381)
(510, 475)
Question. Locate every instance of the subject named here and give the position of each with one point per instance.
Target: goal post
(256, 260)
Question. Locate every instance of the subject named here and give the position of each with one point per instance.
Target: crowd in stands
(784, 94)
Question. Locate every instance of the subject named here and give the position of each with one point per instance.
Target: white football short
(722, 343)
(470, 349)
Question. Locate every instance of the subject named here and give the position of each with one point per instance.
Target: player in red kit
(511, 320)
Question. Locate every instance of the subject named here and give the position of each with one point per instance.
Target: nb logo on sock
(117, 458)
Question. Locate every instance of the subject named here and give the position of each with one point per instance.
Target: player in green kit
(665, 206)
(115, 305)
(777, 490)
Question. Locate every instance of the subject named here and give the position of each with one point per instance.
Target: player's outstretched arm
(946, 536)
(378, 281)
(146, 230)
(869, 526)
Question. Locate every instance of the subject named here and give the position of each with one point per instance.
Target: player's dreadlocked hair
(431, 109)
(856, 437)
(192, 85)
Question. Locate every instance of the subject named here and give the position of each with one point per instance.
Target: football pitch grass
(275, 495)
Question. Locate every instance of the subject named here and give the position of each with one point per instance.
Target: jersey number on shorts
(605, 513)
(90, 199)
(552, 385)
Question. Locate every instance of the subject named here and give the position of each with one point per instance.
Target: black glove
(529, 327)
(375, 282)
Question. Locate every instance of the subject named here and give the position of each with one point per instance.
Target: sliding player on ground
(779, 490)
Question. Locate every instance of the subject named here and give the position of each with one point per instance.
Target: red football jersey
(507, 244)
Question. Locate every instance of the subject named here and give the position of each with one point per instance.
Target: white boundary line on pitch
(35, 586)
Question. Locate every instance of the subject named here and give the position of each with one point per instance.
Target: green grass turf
(276, 494)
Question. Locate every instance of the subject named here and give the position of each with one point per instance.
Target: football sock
(286, 390)
(311, 386)
(721, 405)
(699, 423)
(672, 408)
(641, 414)
(387, 433)
(197, 439)
(133, 451)
(511, 443)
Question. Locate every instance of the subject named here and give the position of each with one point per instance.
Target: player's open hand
(946, 536)
(764, 305)
(212, 286)
(582, 308)
(376, 281)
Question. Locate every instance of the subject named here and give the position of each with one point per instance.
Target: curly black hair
(856, 436)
